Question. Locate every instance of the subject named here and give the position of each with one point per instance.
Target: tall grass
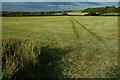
(16, 54)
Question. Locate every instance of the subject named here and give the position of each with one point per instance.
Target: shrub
(64, 13)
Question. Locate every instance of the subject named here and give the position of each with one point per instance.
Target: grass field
(111, 14)
(60, 46)
(77, 13)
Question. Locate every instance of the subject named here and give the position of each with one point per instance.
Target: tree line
(12, 14)
(102, 10)
(91, 11)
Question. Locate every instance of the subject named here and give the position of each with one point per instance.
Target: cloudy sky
(52, 6)
(60, 0)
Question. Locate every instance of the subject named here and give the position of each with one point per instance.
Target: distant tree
(101, 13)
(92, 13)
(107, 9)
(64, 13)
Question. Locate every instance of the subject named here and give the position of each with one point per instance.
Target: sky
(52, 6)
(24, 6)
(60, 0)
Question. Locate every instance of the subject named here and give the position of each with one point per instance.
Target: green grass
(60, 46)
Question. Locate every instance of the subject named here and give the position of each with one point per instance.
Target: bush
(64, 13)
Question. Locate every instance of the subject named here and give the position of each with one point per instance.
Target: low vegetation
(107, 9)
(102, 11)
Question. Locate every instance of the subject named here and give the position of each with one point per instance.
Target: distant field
(71, 47)
(77, 13)
(111, 14)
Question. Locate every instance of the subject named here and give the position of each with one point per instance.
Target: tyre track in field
(89, 31)
(74, 21)
(74, 29)
(92, 33)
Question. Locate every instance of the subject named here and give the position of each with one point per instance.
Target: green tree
(64, 13)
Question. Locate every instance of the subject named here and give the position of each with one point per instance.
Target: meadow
(60, 47)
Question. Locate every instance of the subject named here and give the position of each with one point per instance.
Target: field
(111, 14)
(60, 46)
(77, 13)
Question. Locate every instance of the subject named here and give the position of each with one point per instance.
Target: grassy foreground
(60, 46)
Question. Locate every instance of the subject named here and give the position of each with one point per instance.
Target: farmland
(77, 13)
(60, 46)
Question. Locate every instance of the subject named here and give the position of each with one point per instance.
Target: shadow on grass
(48, 65)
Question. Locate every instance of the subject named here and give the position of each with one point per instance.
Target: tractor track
(89, 31)
(74, 29)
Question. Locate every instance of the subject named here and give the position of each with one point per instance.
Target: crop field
(60, 46)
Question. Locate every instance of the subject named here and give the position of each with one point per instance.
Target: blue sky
(60, 0)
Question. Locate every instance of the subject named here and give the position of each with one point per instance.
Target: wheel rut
(89, 31)
(74, 29)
